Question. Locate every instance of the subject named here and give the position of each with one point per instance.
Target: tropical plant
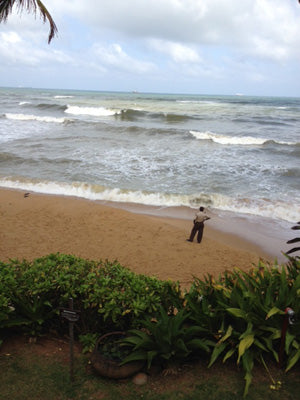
(202, 304)
(247, 312)
(166, 340)
(6, 8)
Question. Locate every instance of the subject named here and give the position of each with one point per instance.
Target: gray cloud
(254, 26)
(179, 45)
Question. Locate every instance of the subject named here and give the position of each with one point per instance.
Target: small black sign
(70, 315)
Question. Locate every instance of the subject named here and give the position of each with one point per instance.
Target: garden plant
(239, 316)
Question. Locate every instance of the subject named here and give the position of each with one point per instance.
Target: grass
(40, 371)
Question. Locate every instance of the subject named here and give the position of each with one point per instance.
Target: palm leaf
(293, 240)
(237, 312)
(296, 227)
(292, 250)
(6, 8)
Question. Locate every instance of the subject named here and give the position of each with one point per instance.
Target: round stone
(140, 379)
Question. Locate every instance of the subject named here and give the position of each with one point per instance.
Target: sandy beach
(36, 225)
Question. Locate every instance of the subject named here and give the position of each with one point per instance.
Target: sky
(249, 47)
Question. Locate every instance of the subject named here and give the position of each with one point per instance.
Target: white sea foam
(22, 103)
(256, 207)
(201, 103)
(93, 111)
(63, 97)
(28, 117)
(234, 140)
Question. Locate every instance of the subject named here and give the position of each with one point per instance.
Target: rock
(140, 379)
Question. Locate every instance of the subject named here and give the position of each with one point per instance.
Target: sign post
(72, 316)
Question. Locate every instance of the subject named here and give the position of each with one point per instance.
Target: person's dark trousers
(198, 227)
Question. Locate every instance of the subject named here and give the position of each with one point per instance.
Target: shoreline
(250, 232)
(150, 241)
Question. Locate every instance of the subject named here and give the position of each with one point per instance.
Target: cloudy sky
(168, 46)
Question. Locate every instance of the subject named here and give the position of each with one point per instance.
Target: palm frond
(296, 227)
(6, 8)
(47, 17)
(293, 240)
(292, 250)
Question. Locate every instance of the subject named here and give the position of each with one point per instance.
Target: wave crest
(257, 207)
(92, 111)
(235, 140)
(29, 117)
(63, 97)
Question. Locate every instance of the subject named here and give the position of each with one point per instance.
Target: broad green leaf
(201, 344)
(227, 334)
(135, 356)
(288, 340)
(216, 352)
(150, 355)
(248, 366)
(244, 345)
(248, 331)
(181, 345)
(273, 311)
(295, 344)
(260, 345)
(237, 312)
(276, 334)
(293, 361)
(229, 354)
(248, 379)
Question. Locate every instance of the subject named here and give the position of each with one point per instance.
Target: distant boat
(239, 94)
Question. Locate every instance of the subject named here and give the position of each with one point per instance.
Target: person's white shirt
(201, 216)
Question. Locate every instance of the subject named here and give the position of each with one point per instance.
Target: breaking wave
(63, 97)
(28, 117)
(92, 111)
(258, 207)
(236, 140)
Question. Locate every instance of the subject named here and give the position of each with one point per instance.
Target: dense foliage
(107, 295)
(243, 316)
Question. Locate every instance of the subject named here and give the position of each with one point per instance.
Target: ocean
(234, 154)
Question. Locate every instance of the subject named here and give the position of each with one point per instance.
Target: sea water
(235, 154)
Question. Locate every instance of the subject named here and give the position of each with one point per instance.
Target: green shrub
(107, 295)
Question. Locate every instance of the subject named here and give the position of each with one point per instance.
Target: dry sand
(38, 225)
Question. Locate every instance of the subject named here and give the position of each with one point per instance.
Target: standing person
(200, 217)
